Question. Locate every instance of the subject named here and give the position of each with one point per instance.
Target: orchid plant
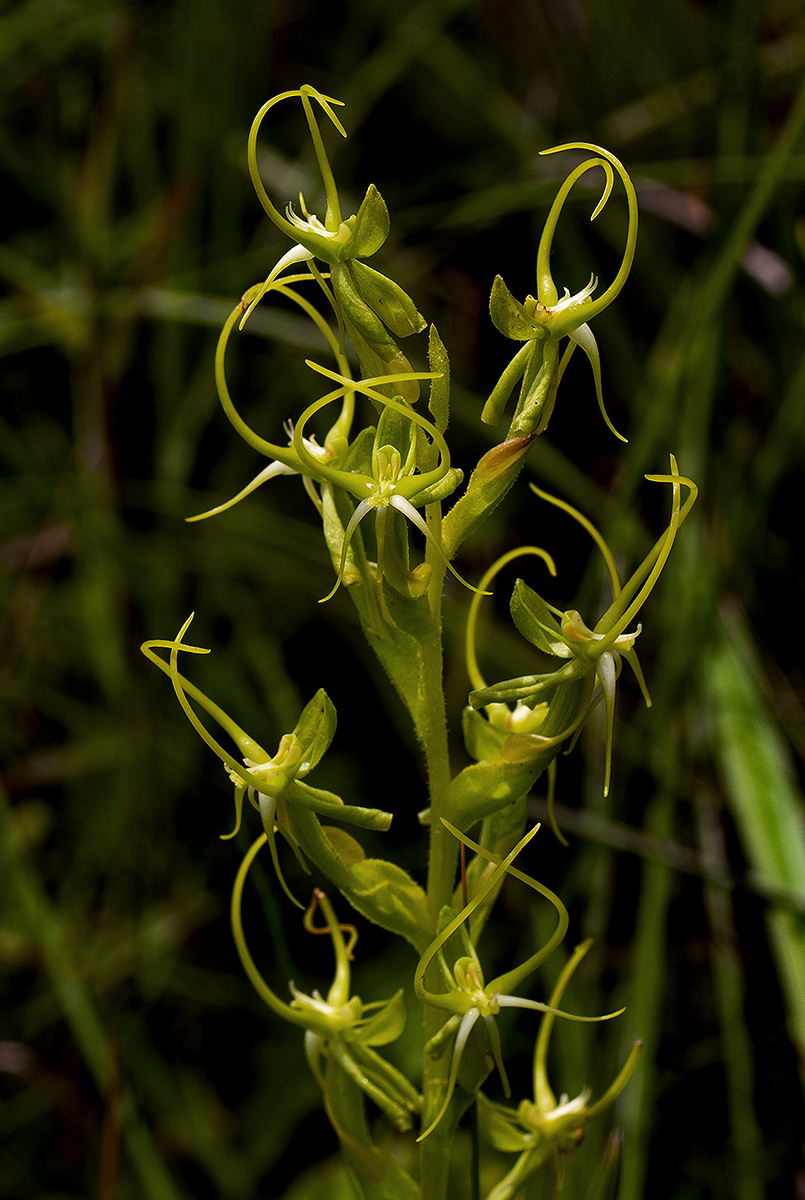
(380, 457)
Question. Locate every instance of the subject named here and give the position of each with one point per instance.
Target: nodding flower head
(592, 656)
(541, 322)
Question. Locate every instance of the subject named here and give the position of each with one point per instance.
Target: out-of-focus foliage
(134, 1060)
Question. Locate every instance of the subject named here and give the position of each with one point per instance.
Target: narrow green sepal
(357, 457)
(359, 316)
(336, 513)
(394, 430)
(500, 1129)
(328, 804)
(481, 739)
(441, 490)
(499, 396)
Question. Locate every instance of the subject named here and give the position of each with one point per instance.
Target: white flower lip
(569, 301)
(309, 221)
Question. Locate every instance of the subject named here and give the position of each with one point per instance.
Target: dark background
(130, 229)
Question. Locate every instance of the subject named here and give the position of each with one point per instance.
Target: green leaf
(380, 891)
(484, 788)
(387, 895)
(348, 848)
(766, 802)
(393, 306)
(757, 771)
(494, 474)
(439, 362)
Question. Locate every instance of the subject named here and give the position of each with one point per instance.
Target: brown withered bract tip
(501, 457)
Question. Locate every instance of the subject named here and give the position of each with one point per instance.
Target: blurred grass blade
(605, 1181)
(746, 1139)
(765, 801)
(645, 1000)
(44, 927)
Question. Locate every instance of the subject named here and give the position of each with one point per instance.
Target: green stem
(442, 859)
(443, 849)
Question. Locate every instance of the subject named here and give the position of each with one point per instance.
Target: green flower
(273, 783)
(504, 719)
(593, 657)
(373, 309)
(338, 1027)
(391, 483)
(541, 322)
(548, 1125)
(284, 460)
(468, 998)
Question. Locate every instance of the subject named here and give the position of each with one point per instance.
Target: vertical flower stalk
(378, 472)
